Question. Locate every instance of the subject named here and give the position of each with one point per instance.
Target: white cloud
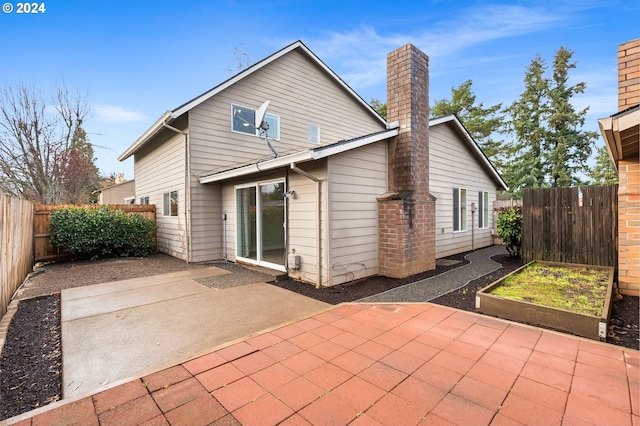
(114, 114)
(361, 52)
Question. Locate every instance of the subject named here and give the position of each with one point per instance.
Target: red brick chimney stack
(406, 214)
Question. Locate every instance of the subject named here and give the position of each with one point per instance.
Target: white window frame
(313, 134)
(257, 185)
(248, 127)
(459, 209)
(168, 202)
(144, 199)
(483, 209)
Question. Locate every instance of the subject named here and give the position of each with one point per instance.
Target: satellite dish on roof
(260, 114)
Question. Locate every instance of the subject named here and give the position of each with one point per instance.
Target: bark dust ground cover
(30, 363)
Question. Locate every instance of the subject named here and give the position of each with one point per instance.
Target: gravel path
(480, 264)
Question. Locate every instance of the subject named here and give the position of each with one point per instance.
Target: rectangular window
(170, 203)
(483, 215)
(314, 134)
(244, 118)
(144, 200)
(459, 209)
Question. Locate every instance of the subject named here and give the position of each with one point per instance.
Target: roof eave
(147, 135)
(299, 157)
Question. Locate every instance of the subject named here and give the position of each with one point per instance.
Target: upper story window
(243, 119)
(314, 134)
(483, 209)
(459, 209)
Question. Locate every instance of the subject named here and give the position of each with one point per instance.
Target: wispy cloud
(115, 114)
(361, 52)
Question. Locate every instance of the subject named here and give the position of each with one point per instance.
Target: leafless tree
(36, 139)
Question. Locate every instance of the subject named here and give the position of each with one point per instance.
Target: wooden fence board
(571, 225)
(16, 246)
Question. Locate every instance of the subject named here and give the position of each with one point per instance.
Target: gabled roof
(302, 156)
(472, 145)
(169, 116)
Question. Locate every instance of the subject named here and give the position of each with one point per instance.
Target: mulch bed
(31, 360)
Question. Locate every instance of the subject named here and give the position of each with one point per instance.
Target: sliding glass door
(261, 224)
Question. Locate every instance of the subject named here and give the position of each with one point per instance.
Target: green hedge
(102, 232)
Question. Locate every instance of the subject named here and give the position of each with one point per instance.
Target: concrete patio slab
(118, 330)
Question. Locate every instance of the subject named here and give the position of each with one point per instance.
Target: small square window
(144, 200)
(314, 134)
(170, 203)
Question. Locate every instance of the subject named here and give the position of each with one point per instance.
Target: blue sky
(138, 59)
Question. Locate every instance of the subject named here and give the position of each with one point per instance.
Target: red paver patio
(377, 364)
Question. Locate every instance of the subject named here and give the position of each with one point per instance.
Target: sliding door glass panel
(247, 223)
(272, 223)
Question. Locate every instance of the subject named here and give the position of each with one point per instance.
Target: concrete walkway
(124, 329)
(379, 364)
(480, 264)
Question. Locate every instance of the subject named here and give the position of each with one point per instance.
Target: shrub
(102, 232)
(510, 229)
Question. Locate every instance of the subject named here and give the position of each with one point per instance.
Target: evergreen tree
(527, 124)
(81, 176)
(381, 108)
(603, 173)
(549, 147)
(481, 123)
(568, 147)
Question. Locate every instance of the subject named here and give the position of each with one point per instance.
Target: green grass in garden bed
(580, 290)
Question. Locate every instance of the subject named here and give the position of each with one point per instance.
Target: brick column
(628, 74)
(629, 176)
(406, 214)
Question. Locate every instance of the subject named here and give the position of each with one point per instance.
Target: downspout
(318, 200)
(187, 187)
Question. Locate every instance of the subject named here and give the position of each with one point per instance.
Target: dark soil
(31, 360)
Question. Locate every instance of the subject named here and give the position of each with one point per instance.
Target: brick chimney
(406, 213)
(628, 74)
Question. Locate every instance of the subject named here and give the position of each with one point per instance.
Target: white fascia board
(274, 163)
(330, 150)
(298, 157)
(148, 134)
(474, 146)
(606, 129)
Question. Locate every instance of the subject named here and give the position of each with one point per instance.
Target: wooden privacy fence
(572, 225)
(44, 251)
(16, 245)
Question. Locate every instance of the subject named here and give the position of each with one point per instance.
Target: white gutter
(308, 155)
(274, 163)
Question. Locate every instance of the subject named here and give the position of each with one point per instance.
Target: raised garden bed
(564, 296)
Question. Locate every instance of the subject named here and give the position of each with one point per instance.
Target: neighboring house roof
(169, 116)
(110, 187)
(472, 145)
(621, 133)
(302, 156)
